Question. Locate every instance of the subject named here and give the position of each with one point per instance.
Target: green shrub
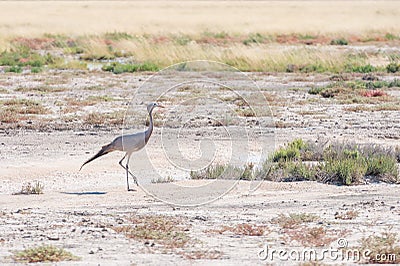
(23, 56)
(347, 171)
(14, 69)
(394, 83)
(44, 254)
(313, 68)
(118, 68)
(316, 90)
(211, 172)
(182, 39)
(117, 36)
(299, 170)
(225, 172)
(254, 38)
(340, 41)
(383, 167)
(36, 69)
(393, 67)
(363, 69)
(247, 173)
(286, 154)
(338, 163)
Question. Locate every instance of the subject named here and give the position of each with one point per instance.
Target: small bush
(36, 188)
(384, 167)
(330, 92)
(118, 68)
(290, 152)
(182, 39)
(346, 171)
(14, 69)
(44, 254)
(25, 106)
(382, 247)
(36, 69)
(300, 171)
(373, 93)
(391, 37)
(311, 236)
(166, 231)
(393, 67)
(340, 41)
(117, 36)
(23, 56)
(293, 220)
(161, 180)
(225, 172)
(394, 83)
(338, 163)
(244, 229)
(349, 215)
(316, 90)
(254, 38)
(211, 172)
(363, 69)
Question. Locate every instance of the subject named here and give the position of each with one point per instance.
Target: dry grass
(162, 180)
(384, 248)
(294, 220)
(166, 231)
(378, 107)
(100, 119)
(44, 254)
(312, 236)
(8, 115)
(154, 52)
(202, 254)
(244, 229)
(15, 110)
(348, 215)
(35, 188)
(25, 106)
(42, 89)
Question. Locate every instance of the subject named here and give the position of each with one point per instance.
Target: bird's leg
(127, 169)
(120, 162)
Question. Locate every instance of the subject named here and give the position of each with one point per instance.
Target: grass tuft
(163, 230)
(219, 171)
(337, 163)
(294, 220)
(244, 229)
(349, 215)
(36, 188)
(118, 68)
(44, 254)
(384, 248)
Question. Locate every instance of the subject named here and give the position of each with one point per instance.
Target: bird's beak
(159, 105)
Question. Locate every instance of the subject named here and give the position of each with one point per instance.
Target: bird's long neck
(148, 132)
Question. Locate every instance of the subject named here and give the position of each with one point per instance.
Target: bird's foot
(131, 189)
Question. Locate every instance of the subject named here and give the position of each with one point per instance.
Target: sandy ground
(30, 18)
(79, 211)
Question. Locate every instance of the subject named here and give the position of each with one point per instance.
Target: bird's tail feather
(104, 150)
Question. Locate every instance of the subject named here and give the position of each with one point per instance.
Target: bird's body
(129, 144)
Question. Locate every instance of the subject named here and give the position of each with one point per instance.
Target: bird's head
(151, 106)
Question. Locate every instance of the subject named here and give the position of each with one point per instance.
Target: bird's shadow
(84, 193)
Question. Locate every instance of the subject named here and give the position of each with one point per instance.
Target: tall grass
(337, 163)
(247, 52)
